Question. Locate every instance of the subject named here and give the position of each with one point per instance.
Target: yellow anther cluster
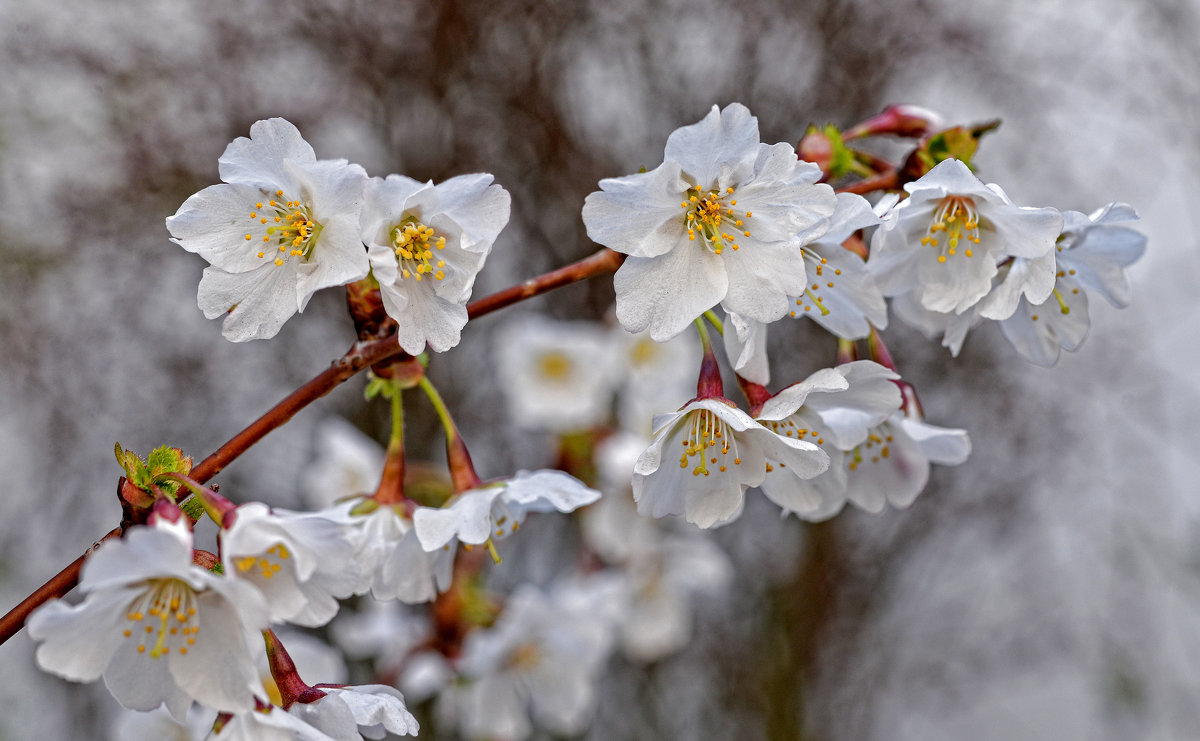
(411, 241)
(819, 264)
(554, 366)
(291, 227)
(954, 221)
(168, 609)
(788, 428)
(707, 212)
(875, 448)
(268, 564)
(701, 441)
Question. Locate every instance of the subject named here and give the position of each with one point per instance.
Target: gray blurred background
(1049, 588)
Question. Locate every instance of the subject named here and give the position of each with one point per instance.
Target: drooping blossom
(281, 226)
(1092, 254)
(892, 465)
(720, 221)
(495, 511)
(303, 563)
(835, 409)
(722, 452)
(945, 241)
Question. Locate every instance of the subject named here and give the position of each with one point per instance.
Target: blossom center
(707, 440)
(709, 214)
(824, 279)
(954, 221)
(266, 565)
(411, 241)
(554, 366)
(524, 657)
(290, 230)
(165, 614)
(873, 450)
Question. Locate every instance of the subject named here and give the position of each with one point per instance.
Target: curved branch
(361, 355)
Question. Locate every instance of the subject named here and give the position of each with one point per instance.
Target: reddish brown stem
(362, 355)
(61, 583)
(602, 261)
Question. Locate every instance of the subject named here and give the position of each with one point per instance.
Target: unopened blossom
(721, 452)
(302, 562)
(158, 628)
(1092, 253)
(495, 511)
(834, 408)
(538, 662)
(282, 226)
(720, 221)
(557, 376)
(892, 465)
(389, 552)
(944, 242)
(426, 243)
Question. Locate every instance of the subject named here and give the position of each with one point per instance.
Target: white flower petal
(665, 294)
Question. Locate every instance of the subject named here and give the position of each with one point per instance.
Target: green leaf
(960, 143)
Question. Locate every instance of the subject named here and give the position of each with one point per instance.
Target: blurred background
(1049, 588)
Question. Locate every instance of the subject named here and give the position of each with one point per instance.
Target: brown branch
(61, 583)
(362, 355)
(599, 262)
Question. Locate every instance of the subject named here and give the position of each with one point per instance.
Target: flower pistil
(709, 213)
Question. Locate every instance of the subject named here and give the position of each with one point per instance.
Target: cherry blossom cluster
(727, 234)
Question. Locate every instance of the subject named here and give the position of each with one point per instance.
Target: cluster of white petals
(158, 628)
(944, 244)
(540, 659)
(722, 451)
(1092, 254)
(284, 225)
(721, 221)
(497, 510)
(426, 243)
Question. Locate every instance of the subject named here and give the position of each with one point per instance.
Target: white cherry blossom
(841, 294)
(282, 226)
(722, 451)
(271, 724)
(426, 243)
(557, 376)
(540, 659)
(892, 465)
(390, 554)
(497, 510)
(943, 243)
(158, 628)
(302, 562)
(721, 220)
(834, 408)
(1092, 253)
